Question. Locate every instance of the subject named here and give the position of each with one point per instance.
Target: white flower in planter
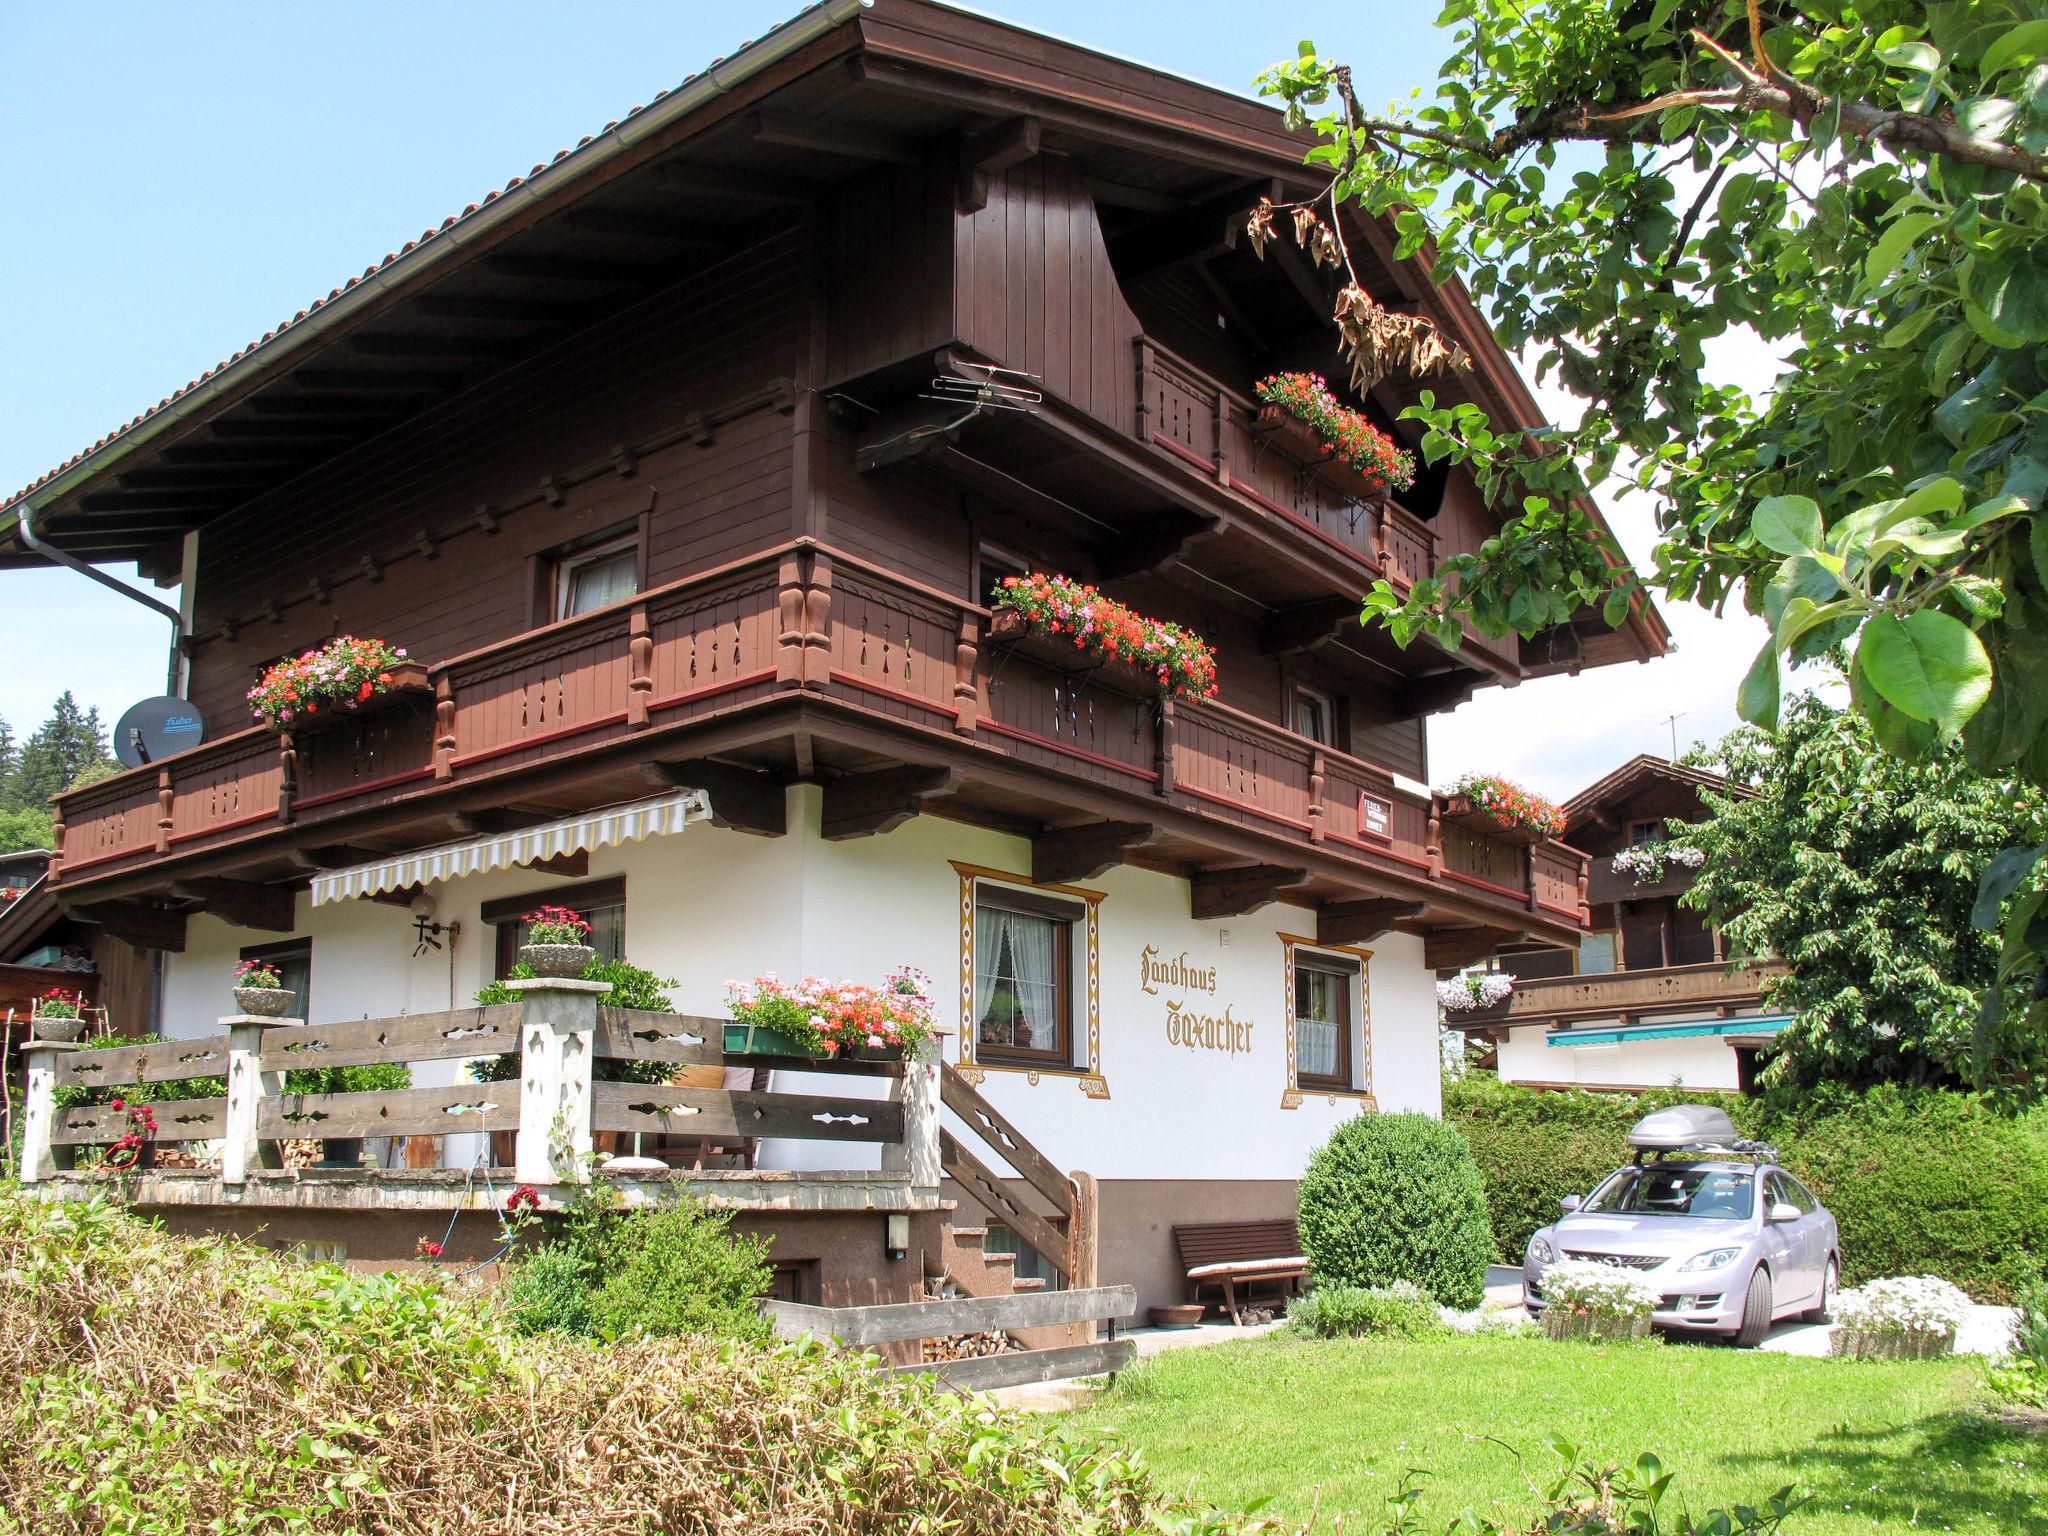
(1904, 1304)
(1647, 861)
(1474, 989)
(1598, 1290)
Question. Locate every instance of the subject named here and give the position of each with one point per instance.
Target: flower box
(1301, 442)
(409, 682)
(1312, 424)
(1014, 633)
(743, 1039)
(1070, 624)
(1890, 1344)
(1461, 812)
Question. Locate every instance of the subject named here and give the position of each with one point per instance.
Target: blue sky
(184, 177)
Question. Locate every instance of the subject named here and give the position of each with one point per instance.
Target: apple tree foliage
(1861, 184)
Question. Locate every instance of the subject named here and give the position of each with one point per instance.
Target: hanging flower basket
(1501, 809)
(347, 678)
(1069, 625)
(1475, 993)
(1308, 422)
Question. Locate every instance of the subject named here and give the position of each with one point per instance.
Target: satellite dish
(155, 728)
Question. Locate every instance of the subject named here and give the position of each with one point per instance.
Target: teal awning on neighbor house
(1760, 1024)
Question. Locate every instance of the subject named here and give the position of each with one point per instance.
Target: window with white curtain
(1323, 990)
(1023, 977)
(596, 578)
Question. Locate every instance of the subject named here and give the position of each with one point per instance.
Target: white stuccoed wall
(709, 905)
(1700, 1061)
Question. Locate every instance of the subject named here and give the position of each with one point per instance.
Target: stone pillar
(917, 1090)
(557, 1041)
(39, 1157)
(248, 1086)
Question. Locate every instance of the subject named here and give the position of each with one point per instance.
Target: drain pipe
(23, 518)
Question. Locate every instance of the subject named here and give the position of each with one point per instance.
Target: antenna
(1672, 721)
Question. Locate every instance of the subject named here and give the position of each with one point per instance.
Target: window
(994, 567)
(1024, 976)
(1322, 1023)
(602, 903)
(596, 578)
(1782, 1187)
(1664, 1189)
(1596, 953)
(1641, 832)
(293, 963)
(1315, 716)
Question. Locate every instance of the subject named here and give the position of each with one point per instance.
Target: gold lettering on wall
(1156, 971)
(1207, 1031)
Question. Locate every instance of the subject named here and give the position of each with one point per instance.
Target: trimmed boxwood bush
(1922, 1181)
(1397, 1197)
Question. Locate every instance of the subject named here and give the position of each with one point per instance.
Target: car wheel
(1830, 1287)
(1756, 1310)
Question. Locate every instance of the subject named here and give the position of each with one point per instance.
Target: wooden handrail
(994, 1127)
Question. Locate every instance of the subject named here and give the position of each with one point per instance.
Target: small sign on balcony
(1375, 815)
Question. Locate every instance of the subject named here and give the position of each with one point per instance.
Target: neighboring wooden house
(672, 464)
(1646, 998)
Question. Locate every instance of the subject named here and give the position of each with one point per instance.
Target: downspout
(23, 519)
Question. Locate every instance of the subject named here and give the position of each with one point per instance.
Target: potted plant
(820, 1019)
(1502, 808)
(1646, 862)
(1585, 1299)
(346, 676)
(1309, 419)
(57, 1016)
(557, 943)
(1061, 620)
(1903, 1317)
(261, 992)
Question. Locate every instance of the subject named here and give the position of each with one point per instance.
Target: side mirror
(1569, 1204)
(1785, 1210)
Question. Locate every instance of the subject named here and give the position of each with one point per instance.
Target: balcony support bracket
(863, 804)
(741, 800)
(1361, 922)
(1214, 893)
(1066, 854)
(241, 902)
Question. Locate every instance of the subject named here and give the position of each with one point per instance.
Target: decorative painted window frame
(1293, 1096)
(1089, 1079)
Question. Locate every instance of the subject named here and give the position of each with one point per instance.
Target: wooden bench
(1226, 1254)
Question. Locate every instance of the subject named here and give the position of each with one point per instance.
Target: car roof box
(1681, 1127)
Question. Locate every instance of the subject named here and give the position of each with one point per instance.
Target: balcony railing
(811, 618)
(1668, 989)
(1211, 428)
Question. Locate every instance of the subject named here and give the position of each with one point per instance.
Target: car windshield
(1658, 1190)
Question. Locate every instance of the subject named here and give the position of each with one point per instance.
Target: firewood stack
(969, 1346)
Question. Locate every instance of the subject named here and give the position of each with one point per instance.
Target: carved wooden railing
(1067, 1239)
(1665, 989)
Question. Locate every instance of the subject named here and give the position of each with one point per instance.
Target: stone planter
(1185, 1314)
(560, 962)
(58, 1029)
(265, 1002)
(1595, 1327)
(1890, 1344)
(744, 1039)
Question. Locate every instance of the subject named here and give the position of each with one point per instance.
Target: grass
(1331, 1425)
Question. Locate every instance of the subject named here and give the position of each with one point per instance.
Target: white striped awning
(477, 855)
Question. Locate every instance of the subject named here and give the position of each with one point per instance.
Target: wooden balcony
(565, 717)
(1554, 1000)
(1215, 431)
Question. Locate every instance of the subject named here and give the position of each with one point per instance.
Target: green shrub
(1398, 1311)
(1397, 1197)
(1922, 1181)
(547, 1292)
(631, 986)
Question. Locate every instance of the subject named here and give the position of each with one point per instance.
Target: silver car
(1732, 1241)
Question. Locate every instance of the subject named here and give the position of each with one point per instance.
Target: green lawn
(1333, 1424)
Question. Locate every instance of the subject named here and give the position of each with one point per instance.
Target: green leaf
(1787, 525)
(1912, 740)
(1757, 699)
(1890, 247)
(1928, 665)
(2013, 288)
(2024, 43)
(2002, 876)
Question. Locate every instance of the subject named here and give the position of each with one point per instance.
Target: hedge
(1923, 1181)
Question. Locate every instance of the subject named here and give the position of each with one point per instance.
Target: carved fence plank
(407, 1112)
(161, 1061)
(715, 1112)
(636, 1034)
(993, 1127)
(459, 1033)
(990, 1192)
(893, 1322)
(179, 1120)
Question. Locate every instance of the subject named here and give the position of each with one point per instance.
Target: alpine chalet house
(1647, 997)
(687, 471)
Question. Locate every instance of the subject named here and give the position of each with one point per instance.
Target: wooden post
(917, 1090)
(1585, 903)
(557, 1039)
(241, 1149)
(639, 668)
(39, 1156)
(444, 727)
(1162, 747)
(1434, 848)
(966, 686)
(287, 776)
(164, 802)
(1318, 773)
(789, 621)
(818, 623)
(1142, 417)
(1083, 1245)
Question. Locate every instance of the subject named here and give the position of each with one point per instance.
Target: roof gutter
(265, 357)
(25, 526)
